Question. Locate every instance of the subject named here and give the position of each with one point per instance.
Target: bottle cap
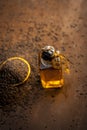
(48, 53)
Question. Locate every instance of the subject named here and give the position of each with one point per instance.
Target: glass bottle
(51, 64)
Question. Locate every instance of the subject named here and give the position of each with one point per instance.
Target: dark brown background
(25, 27)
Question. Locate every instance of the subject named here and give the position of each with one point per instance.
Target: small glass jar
(50, 65)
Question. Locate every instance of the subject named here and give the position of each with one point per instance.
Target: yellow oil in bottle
(51, 64)
(51, 78)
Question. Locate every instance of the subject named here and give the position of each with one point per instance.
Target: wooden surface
(25, 27)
